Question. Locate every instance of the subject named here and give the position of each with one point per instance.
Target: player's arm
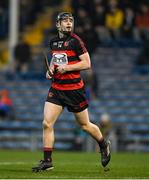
(85, 63)
(82, 65)
(83, 55)
(49, 74)
(50, 71)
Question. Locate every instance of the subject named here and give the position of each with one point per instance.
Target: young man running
(69, 57)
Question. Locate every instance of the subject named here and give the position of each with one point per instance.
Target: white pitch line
(33, 162)
(10, 163)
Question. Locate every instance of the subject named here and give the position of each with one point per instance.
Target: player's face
(66, 25)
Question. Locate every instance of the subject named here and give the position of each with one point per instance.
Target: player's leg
(51, 113)
(83, 119)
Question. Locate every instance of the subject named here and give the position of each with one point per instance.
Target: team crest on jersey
(66, 43)
(59, 59)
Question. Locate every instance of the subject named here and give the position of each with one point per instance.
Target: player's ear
(58, 24)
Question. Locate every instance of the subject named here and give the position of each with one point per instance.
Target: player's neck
(62, 35)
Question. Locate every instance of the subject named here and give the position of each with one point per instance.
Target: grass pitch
(73, 165)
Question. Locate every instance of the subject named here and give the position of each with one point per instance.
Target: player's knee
(85, 127)
(47, 124)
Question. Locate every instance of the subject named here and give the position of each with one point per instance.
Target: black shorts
(74, 100)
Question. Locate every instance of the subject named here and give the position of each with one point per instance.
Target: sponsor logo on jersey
(59, 59)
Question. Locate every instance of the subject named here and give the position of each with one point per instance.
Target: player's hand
(50, 73)
(62, 69)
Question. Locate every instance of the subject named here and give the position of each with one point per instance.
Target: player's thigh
(82, 117)
(52, 112)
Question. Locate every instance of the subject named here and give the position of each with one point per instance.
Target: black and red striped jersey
(67, 51)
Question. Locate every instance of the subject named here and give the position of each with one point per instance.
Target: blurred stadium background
(116, 34)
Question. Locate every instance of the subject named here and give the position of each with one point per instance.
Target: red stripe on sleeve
(73, 62)
(81, 42)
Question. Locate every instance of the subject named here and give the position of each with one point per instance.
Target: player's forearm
(82, 65)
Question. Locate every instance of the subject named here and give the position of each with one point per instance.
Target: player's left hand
(62, 69)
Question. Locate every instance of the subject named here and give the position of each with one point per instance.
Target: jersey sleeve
(80, 46)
